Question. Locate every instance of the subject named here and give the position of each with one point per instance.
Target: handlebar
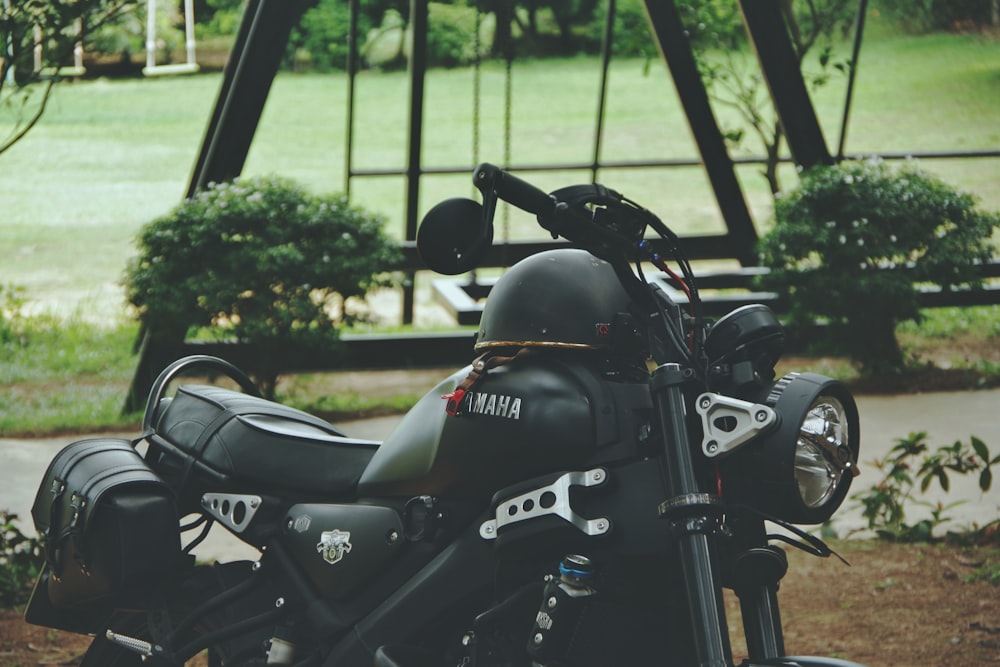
(591, 216)
(492, 180)
(456, 234)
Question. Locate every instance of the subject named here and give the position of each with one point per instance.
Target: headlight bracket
(728, 423)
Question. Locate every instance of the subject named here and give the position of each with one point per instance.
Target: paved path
(944, 416)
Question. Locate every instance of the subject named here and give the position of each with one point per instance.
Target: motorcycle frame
(693, 519)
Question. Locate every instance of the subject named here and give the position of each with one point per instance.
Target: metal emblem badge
(333, 544)
(301, 524)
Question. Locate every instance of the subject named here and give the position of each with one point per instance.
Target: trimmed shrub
(632, 35)
(451, 34)
(323, 34)
(258, 260)
(321, 39)
(851, 241)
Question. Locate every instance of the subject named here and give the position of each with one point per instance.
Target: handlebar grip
(514, 190)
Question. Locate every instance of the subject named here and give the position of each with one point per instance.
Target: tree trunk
(502, 36)
(773, 158)
(873, 343)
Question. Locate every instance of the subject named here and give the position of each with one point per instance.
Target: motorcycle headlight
(804, 468)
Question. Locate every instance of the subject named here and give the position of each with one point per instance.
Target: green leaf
(925, 482)
(985, 479)
(943, 479)
(981, 448)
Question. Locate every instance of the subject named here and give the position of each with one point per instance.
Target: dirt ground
(895, 606)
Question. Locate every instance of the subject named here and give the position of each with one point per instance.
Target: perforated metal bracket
(551, 499)
(233, 510)
(729, 422)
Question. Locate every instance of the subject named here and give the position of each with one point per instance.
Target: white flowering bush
(851, 242)
(258, 260)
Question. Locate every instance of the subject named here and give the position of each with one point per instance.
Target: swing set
(77, 69)
(67, 71)
(190, 66)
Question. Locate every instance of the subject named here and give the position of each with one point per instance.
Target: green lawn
(112, 155)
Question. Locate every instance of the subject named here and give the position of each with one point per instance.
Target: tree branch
(19, 134)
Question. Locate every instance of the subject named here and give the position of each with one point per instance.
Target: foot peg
(139, 646)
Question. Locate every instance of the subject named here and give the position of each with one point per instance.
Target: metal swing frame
(256, 57)
(249, 74)
(69, 71)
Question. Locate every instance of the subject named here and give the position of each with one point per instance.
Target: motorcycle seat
(260, 446)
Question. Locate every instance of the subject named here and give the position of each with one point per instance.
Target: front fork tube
(762, 622)
(693, 517)
(756, 569)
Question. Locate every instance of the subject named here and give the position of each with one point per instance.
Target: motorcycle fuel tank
(529, 417)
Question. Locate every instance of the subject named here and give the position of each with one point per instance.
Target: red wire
(684, 287)
(680, 281)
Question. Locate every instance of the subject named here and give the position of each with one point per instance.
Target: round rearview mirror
(453, 237)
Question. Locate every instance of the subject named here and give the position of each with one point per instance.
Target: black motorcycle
(581, 494)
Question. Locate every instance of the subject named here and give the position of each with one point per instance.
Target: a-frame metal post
(417, 70)
(668, 30)
(256, 56)
(782, 71)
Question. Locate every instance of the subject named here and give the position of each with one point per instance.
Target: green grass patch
(955, 338)
(65, 376)
(951, 323)
(986, 566)
(72, 407)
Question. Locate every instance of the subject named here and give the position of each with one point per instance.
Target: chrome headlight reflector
(822, 453)
(804, 468)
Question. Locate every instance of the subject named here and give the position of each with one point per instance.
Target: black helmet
(563, 298)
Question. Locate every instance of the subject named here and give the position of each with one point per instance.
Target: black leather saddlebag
(109, 525)
(214, 439)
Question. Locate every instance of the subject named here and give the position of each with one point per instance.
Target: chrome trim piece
(745, 421)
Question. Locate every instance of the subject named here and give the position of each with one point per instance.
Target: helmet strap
(480, 366)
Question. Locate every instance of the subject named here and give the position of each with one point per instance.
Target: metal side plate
(233, 510)
(551, 499)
